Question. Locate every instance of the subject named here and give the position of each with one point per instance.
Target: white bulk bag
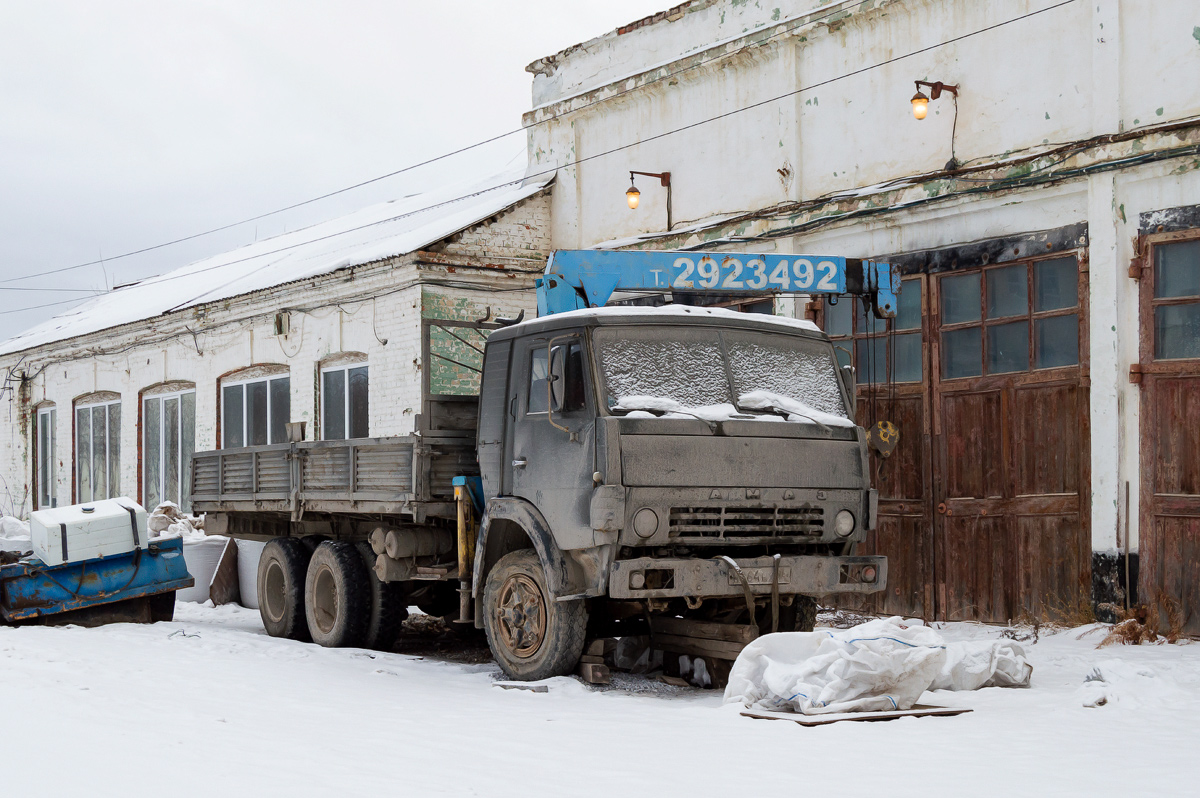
(249, 553)
(202, 556)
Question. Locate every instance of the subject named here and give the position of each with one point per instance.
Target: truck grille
(722, 523)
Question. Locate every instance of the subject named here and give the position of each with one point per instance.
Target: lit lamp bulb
(920, 104)
(632, 195)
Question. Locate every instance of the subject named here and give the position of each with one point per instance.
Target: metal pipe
(465, 547)
(1128, 587)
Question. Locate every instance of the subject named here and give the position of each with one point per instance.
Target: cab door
(554, 442)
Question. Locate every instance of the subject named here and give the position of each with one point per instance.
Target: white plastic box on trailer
(88, 531)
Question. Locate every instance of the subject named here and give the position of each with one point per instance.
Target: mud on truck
(690, 474)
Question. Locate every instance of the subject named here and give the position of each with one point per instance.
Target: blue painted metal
(30, 588)
(577, 279)
(474, 486)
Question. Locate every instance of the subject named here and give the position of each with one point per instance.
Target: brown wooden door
(891, 365)
(1011, 441)
(1169, 528)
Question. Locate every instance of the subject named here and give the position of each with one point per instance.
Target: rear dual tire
(282, 569)
(329, 595)
(337, 595)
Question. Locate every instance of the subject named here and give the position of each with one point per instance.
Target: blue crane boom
(586, 278)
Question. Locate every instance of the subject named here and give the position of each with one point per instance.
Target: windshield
(716, 374)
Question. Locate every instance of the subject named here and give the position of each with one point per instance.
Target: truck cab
(680, 462)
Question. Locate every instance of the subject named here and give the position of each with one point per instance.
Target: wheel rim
(325, 599)
(274, 598)
(521, 616)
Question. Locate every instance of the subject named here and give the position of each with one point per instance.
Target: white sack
(983, 663)
(202, 556)
(249, 553)
(880, 665)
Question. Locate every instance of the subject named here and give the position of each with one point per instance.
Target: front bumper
(714, 578)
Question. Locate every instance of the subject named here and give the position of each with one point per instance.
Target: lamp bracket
(664, 177)
(936, 88)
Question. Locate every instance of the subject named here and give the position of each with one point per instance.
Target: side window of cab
(556, 376)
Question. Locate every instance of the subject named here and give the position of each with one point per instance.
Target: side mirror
(847, 375)
(558, 377)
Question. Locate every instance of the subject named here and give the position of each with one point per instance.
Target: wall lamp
(633, 196)
(920, 102)
(920, 109)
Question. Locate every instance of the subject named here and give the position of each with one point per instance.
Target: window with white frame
(344, 402)
(255, 412)
(168, 443)
(98, 450)
(47, 427)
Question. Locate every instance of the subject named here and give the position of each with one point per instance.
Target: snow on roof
(693, 311)
(374, 233)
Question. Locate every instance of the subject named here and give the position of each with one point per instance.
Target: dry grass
(1143, 623)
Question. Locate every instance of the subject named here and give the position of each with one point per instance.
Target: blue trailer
(137, 586)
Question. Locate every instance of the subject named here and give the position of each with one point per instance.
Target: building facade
(350, 349)
(1044, 369)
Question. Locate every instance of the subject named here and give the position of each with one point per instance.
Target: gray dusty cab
(689, 474)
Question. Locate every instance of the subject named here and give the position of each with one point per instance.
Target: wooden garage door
(1011, 442)
(890, 361)
(1169, 525)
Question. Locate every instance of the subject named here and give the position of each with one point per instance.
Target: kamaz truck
(686, 473)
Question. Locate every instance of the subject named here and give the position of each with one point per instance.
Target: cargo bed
(408, 474)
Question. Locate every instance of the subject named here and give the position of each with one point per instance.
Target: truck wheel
(388, 609)
(800, 617)
(531, 636)
(806, 613)
(441, 600)
(337, 595)
(281, 570)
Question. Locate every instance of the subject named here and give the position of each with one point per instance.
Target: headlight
(843, 523)
(645, 522)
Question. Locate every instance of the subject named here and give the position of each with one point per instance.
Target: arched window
(256, 406)
(44, 432)
(168, 443)
(98, 446)
(344, 397)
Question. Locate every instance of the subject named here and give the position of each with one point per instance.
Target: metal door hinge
(1135, 373)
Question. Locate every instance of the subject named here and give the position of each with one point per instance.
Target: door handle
(941, 508)
(520, 463)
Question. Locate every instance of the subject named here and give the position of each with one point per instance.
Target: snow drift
(14, 535)
(881, 665)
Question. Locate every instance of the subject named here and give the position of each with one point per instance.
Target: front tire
(281, 574)
(337, 595)
(531, 635)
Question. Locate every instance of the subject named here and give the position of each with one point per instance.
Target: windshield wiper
(659, 412)
(787, 414)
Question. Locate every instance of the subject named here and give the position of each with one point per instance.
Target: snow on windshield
(684, 373)
(671, 371)
(798, 370)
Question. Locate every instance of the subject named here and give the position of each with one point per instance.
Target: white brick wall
(374, 309)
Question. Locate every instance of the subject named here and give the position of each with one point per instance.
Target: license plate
(761, 576)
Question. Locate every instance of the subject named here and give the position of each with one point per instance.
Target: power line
(55, 290)
(36, 307)
(459, 151)
(594, 156)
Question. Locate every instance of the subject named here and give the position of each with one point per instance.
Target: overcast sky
(126, 123)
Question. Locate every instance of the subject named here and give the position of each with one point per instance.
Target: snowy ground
(208, 705)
